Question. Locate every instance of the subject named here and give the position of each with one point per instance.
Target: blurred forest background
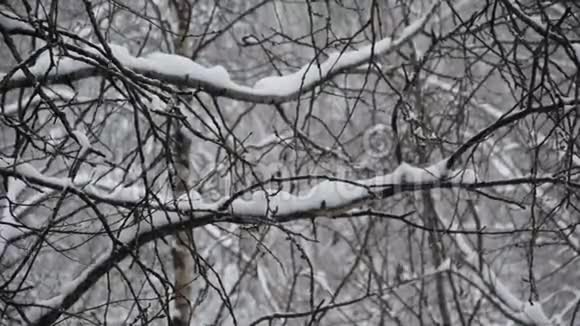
(89, 158)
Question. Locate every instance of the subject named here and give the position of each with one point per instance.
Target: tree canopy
(289, 162)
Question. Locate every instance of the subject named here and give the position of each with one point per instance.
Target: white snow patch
(314, 72)
(464, 176)
(333, 194)
(83, 140)
(189, 200)
(129, 194)
(15, 188)
(533, 313)
(172, 64)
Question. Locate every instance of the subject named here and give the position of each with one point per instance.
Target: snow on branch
(526, 311)
(322, 199)
(332, 195)
(181, 71)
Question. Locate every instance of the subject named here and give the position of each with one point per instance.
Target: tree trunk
(183, 250)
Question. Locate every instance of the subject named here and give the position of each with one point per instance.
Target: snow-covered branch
(321, 199)
(131, 238)
(325, 198)
(529, 312)
(183, 72)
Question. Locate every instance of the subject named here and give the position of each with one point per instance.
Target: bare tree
(340, 162)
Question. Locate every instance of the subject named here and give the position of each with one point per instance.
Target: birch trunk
(183, 250)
